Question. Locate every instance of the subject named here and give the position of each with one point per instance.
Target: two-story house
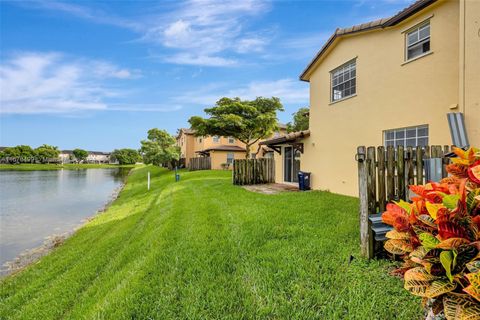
(221, 150)
(387, 82)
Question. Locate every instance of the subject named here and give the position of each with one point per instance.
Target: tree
(11, 152)
(126, 156)
(159, 148)
(248, 121)
(45, 153)
(300, 120)
(80, 154)
(20, 153)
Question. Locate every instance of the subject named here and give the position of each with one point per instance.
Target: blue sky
(98, 75)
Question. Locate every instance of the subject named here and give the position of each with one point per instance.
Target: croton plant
(438, 237)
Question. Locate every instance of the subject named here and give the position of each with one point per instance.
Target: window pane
(408, 137)
(411, 142)
(422, 131)
(411, 133)
(423, 142)
(412, 37)
(418, 41)
(426, 46)
(424, 32)
(343, 81)
(414, 51)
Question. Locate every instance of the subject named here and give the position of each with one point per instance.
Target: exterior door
(295, 165)
(291, 164)
(287, 164)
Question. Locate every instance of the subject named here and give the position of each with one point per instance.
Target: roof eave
(399, 17)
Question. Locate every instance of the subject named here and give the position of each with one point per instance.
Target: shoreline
(32, 255)
(67, 166)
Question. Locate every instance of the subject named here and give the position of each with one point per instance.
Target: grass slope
(204, 249)
(42, 167)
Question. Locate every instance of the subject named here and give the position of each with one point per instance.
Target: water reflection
(36, 204)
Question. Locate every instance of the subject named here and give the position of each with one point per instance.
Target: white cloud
(290, 91)
(108, 70)
(200, 31)
(87, 13)
(200, 60)
(33, 83)
(250, 45)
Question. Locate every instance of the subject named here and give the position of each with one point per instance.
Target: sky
(98, 75)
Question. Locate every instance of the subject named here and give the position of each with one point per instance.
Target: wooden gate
(384, 175)
(200, 163)
(253, 171)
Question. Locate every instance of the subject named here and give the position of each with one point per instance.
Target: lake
(37, 204)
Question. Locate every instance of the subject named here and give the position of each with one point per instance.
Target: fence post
(371, 180)
(401, 172)
(419, 165)
(363, 195)
(390, 173)
(381, 178)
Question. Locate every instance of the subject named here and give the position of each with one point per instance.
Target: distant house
(387, 82)
(66, 156)
(186, 143)
(98, 157)
(221, 150)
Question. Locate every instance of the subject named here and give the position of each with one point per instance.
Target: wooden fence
(384, 175)
(253, 171)
(200, 163)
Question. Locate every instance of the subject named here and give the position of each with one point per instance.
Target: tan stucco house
(387, 82)
(221, 150)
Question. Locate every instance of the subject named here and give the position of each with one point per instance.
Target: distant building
(221, 150)
(66, 156)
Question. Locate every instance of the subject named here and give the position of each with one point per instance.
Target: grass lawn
(37, 166)
(205, 249)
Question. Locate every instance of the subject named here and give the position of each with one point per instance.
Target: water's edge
(30, 256)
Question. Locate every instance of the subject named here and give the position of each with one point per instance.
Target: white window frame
(419, 42)
(230, 160)
(346, 67)
(404, 138)
(216, 139)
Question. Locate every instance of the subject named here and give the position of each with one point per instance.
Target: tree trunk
(247, 151)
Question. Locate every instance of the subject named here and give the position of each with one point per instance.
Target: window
(200, 139)
(344, 81)
(418, 41)
(407, 137)
(230, 157)
(216, 139)
(231, 140)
